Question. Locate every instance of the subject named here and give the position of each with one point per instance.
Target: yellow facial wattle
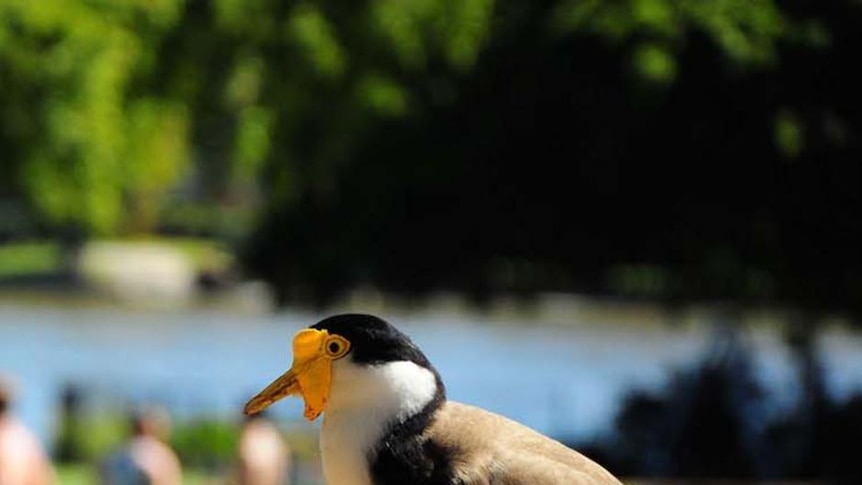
(310, 375)
(315, 375)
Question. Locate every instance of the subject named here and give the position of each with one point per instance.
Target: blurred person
(23, 461)
(263, 455)
(68, 447)
(146, 458)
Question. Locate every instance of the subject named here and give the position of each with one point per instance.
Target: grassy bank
(29, 258)
(85, 474)
(33, 258)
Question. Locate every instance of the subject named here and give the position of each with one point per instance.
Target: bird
(387, 421)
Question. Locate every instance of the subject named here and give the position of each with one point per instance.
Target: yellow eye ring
(336, 346)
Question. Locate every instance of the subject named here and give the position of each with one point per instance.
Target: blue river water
(564, 375)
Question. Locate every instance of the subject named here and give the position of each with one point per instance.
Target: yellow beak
(310, 375)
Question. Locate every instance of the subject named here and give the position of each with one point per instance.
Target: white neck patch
(363, 400)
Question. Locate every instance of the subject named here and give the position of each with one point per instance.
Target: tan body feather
(494, 450)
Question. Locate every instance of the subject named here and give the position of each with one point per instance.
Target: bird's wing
(493, 450)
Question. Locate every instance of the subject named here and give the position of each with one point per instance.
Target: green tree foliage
(86, 146)
(401, 142)
(680, 150)
(747, 32)
(106, 105)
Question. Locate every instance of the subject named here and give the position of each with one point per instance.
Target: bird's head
(350, 355)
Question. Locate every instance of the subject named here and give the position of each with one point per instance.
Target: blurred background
(633, 225)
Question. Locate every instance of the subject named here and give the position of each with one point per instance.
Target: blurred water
(564, 379)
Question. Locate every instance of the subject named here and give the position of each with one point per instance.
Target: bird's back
(489, 449)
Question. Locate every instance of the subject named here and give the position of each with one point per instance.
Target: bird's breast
(345, 444)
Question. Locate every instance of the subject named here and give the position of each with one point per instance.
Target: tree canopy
(650, 148)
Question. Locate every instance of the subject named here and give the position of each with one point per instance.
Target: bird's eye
(337, 346)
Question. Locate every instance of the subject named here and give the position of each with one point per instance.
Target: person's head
(7, 394)
(150, 421)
